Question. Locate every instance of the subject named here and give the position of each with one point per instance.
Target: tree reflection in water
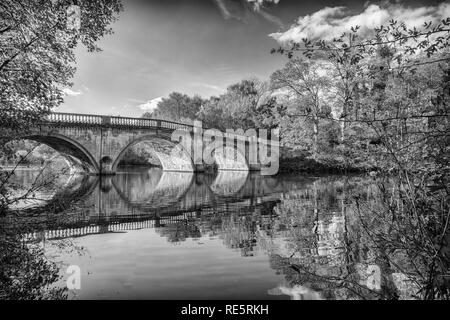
(336, 238)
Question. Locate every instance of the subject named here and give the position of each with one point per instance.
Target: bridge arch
(173, 157)
(74, 152)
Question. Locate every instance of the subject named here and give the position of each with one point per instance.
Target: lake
(149, 234)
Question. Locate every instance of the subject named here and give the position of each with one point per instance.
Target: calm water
(148, 234)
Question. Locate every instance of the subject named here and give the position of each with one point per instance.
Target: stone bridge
(96, 144)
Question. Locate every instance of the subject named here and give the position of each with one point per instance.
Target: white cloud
(150, 105)
(239, 10)
(70, 92)
(330, 22)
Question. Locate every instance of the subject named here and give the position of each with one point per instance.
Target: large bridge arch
(172, 156)
(75, 153)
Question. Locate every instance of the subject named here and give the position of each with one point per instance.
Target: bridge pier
(106, 166)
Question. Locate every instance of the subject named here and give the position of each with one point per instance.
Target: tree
(268, 114)
(37, 60)
(212, 115)
(239, 107)
(37, 53)
(177, 107)
(308, 83)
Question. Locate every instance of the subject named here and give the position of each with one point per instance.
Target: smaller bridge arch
(171, 156)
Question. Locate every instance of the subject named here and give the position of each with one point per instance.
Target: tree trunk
(342, 130)
(343, 116)
(315, 133)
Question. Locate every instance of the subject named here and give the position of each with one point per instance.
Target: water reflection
(154, 188)
(230, 236)
(228, 183)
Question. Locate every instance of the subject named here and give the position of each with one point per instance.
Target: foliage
(26, 274)
(246, 104)
(37, 54)
(235, 108)
(177, 107)
(308, 85)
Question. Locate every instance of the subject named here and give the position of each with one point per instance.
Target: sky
(203, 46)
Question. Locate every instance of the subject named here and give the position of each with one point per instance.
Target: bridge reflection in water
(138, 198)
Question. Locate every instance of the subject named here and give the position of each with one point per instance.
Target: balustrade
(73, 118)
(124, 122)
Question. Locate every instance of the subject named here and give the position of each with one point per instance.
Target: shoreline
(290, 167)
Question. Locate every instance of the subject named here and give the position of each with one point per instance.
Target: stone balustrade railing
(124, 122)
(77, 118)
(74, 118)
(130, 122)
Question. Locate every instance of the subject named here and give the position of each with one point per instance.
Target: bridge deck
(136, 123)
